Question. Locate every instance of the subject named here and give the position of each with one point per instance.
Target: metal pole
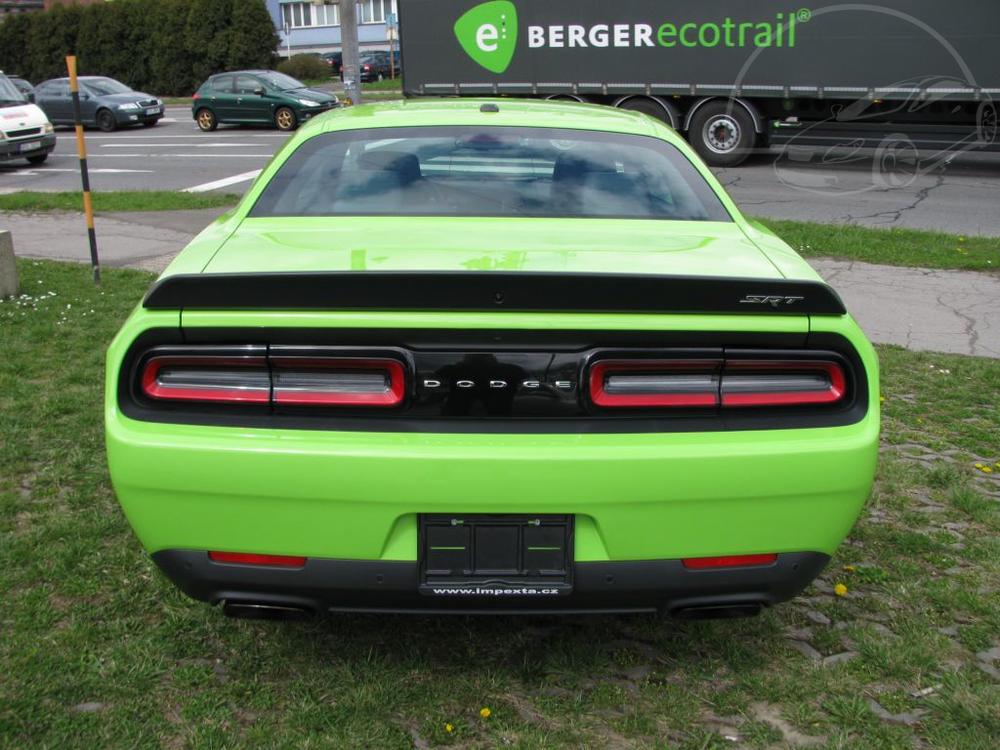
(349, 50)
(81, 150)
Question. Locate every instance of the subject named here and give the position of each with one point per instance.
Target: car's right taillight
(729, 383)
(652, 383)
(761, 382)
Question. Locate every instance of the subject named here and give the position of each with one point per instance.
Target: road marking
(226, 182)
(42, 170)
(182, 156)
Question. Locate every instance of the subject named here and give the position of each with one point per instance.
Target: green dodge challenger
(494, 355)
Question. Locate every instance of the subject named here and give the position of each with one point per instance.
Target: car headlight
(129, 106)
(308, 103)
(48, 128)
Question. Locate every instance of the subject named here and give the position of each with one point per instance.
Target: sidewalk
(921, 309)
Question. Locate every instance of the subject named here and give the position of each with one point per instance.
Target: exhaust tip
(718, 611)
(264, 611)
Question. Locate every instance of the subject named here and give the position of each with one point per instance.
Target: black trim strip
(325, 584)
(493, 291)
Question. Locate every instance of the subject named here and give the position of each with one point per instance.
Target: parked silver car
(104, 102)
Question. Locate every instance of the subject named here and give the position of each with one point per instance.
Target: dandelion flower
(485, 712)
(849, 568)
(840, 589)
(449, 728)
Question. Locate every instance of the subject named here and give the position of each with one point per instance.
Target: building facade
(10, 7)
(308, 26)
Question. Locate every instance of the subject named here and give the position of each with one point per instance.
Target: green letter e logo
(488, 34)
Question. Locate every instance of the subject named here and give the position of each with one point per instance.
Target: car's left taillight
(206, 378)
(304, 381)
(254, 375)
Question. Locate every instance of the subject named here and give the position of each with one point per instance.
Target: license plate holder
(30, 146)
(495, 556)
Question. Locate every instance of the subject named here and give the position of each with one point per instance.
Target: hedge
(166, 47)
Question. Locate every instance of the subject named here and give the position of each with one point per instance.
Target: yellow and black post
(81, 150)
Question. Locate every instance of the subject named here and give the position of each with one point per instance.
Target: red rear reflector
(248, 558)
(728, 561)
(338, 382)
(634, 383)
(782, 383)
(191, 378)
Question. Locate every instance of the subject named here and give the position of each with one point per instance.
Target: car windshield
(9, 93)
(105, 86)
(489, 171)
(280, 81)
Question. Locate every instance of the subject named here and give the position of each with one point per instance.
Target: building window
(374, 11)
(297, 15)
(326, 15)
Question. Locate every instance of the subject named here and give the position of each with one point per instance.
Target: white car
(25, 131)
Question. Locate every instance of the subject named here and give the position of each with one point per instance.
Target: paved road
(959, 196)
(945, 311)
(174, 155)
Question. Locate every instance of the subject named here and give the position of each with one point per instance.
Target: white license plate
(153, 111)
(34, 145)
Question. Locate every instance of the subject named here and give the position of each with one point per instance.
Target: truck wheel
(662, 111)
(37, 159)
(722, 133)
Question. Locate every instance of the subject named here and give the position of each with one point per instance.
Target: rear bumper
(391, 586)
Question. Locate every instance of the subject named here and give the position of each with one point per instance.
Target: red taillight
(281, 380)
(366, 67)
(196, 96)
(728, 561)
(338, 382)
(650, 383)
(249, 558)
(193, 378)
(782, 383)
(734, 383)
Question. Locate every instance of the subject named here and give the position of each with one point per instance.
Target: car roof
(510, 113)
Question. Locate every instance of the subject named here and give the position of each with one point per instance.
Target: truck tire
(723, 133)
(655, 108)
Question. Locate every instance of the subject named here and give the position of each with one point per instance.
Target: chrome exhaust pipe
(718, 611)
(264, 611)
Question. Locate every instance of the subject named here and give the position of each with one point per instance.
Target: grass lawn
(98, 650)
(894, 247)
(124, 200)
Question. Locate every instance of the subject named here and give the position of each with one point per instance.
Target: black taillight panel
(502, 382)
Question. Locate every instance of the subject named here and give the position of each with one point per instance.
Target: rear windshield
(492, 171)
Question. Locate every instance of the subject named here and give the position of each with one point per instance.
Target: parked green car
(490, 355)
(258, 97)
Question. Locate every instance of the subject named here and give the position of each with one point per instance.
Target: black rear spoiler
(492, 291)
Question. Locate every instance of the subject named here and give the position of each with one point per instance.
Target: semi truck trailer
(731, 75)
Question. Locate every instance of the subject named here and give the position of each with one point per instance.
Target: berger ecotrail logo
(488, 33)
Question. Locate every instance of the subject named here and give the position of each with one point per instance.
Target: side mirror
(259, 91)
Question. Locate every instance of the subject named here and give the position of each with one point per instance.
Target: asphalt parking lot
(173, 155)
(956, 194)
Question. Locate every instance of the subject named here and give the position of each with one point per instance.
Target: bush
(305, 67)
(165, 47)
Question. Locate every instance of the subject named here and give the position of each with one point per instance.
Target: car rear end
(433, 413)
